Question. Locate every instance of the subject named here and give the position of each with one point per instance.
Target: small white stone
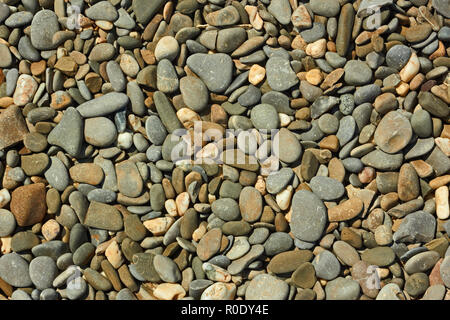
(124, 140)
(442, 205)
(5, 197)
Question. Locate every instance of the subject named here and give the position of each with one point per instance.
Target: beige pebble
(256, 74)
(317, 49)
(169, 291)
(314, 76)
(442, 206)
(200, 231)
(187, 117)
(411, 68)
(285, 120)
(159, 226)
(383, 235)
(6, 245)
(254, 17)
(182, 202)
(171, 207)
(114, 255)
(260, 185)
(50, 229)
(5, 197)
(219, 291)
(444, 145)
(283, 198)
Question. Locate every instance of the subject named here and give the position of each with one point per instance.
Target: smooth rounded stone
(325, 8)
(345, 253)
(96, 280)
(421, 123)
(266, 287)
(417, 284)
(194, 92)
(309, 216)
(264, 116)
(83, 254)
(286, 146)
(197, 286)
(322, 105)
(397, 56)
(24, 240)
(278, 242)
(422, 262)
(444, 270)
(166, 77)
(240, 247)
(167, 269)
(20, 295)
(357, 73)
(259, 236)
(309, 91)
(155, 130)
(383, 161)
(281, 10)
(102, 10)
(100, 131)
(379, 256)
(43, 271)
(326, 265)
(129, 180)
(223, 17)
(136, 96)
(5, 55)
(434, 292)
(389, 140)
(279, 73)
(366, 93)
(215, 70)
(115, 75)
(14, 270)
(444, 33)
(315, 33)
(226, 209)
(416, 227)
(230, 39)
(217, 261)
(11, 81)
(342, 289)
(328, 123)
(327, 188)
(278, 180)
(434, 105)
(353, 165)
(102, 52)
(278, 100)
(104, 105)
(250, 204)
(43, 28)
(335, 60)
(7, 223)
(102, 195)
(125, 294)
(250, 97)
(103, 216)
(391, 291)
(209, 244)
(57, 174)
(25, 90)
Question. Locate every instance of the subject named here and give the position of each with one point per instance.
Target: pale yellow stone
(317, 49)
(254, 17)
(105, 25)
(256, 74)
(182, 202)
(314, 76)
(411, 68)
(402, 89)
(50, 229)
(169, 291)
(200, 231)
(114, 254)
(159, 226)
(444, 145)
(5, 197)
(171, 207)
(219, 291)
(442, 206)
(285, 120)
(6, 245)
(187, 117)
(260, 185)
(283, 198)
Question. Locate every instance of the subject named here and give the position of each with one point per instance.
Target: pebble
(14, 270)
(266, 287)
(326, 265)
(43, 271)
(327, 188)
(280, 75)
(342, 289)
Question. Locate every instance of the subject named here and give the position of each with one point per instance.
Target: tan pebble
(439, 181)
(105, 25)
(317, 49)
(6, 245)
(5, 197)
(332, 78)
(411, 68)
(5, 102)
(346, 210)
(182, 202)
(383, 235)
(416, 82)
(283, 198)
(159, 226)
(199, 232)
(168, 10)
(219, 291)
(169, 291)
(422, 168)
(114, 255)
(256, 74)
(254, 17)
(444, 145)
(367, 175)
(187, 117)
(260, 185)
(171, 207)
(26, 87)
(50, 229)
(442, 206)
(299, 43)
(218, 114)
(300, 17)
(314, 77)
(440, 51)
(330, 142)
(389, 200)
(285, 120)
(402, 89)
